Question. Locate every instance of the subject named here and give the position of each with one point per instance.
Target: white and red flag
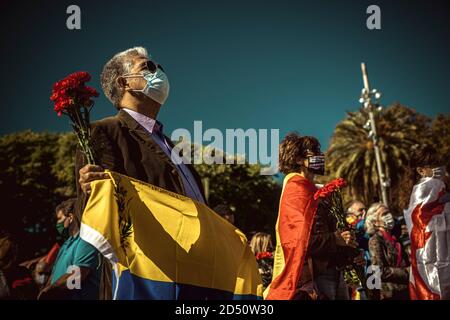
(428, 221)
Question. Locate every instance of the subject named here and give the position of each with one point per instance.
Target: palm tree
(351, 151)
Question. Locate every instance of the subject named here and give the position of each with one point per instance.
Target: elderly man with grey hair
(132, 142)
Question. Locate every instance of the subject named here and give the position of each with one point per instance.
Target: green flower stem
(81, 127)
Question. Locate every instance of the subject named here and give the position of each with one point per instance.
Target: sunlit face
(139, 65)
(62, 218)
(381, 212)
(358, 209)
(425, 172)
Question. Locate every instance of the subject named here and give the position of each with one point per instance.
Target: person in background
(426, 200)
(355, 212)
(133, 142)
(309, 249)
(225, 212)
(16, 282)
(261, 242)
(41, 273)
(387, 253)
(77, 261)
(41, 267)
(400, 231)
(262, 247)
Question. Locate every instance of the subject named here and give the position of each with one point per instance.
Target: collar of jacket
(140, 134)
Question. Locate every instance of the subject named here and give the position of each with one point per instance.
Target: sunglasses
(152, 66)
(149, 65)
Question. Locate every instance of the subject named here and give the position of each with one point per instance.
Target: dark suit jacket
(122, 145)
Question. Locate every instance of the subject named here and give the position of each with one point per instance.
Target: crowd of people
(47, 277)
(381, 237)
(321, 270)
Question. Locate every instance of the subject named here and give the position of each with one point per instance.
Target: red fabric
(52, 254)
(398, 248)
(21, 282)
(296, 217)
(421, 216)
(263, 255)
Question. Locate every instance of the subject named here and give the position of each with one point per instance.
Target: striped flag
(293, 229)
(163, 245)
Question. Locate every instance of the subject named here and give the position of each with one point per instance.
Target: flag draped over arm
(428, 221)
(293, 229)
(163, 245)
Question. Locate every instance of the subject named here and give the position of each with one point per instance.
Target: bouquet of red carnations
(331, 197)
(73, 98)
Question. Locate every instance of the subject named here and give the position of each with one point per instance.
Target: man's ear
(122, 83)
(420, 171)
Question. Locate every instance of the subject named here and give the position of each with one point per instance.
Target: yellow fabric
(163, 236)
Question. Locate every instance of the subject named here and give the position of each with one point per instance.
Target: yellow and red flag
(293, 229)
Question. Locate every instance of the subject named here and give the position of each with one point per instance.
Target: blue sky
(288, 65)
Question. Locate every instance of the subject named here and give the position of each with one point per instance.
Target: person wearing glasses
(133, 142)
(355, 212)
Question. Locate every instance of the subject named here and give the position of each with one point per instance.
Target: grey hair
(372, 218)
(350, 205)
(117, 66)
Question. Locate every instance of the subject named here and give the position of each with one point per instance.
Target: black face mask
(316, 165)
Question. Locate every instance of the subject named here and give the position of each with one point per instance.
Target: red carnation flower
(73, 98)
(329, 188)
(71, 91)
(264, 255)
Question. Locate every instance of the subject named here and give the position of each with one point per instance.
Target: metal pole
(206, 186)
(367, 95)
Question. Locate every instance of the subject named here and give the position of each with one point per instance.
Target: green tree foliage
(253, 197)
(36, 174)
(351, 152)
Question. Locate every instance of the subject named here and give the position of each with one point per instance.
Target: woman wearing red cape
(296, 213)
(308, 245)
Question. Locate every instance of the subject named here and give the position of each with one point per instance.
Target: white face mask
(157, 87)
(41, 279)
(439, 172)
(388, 221)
